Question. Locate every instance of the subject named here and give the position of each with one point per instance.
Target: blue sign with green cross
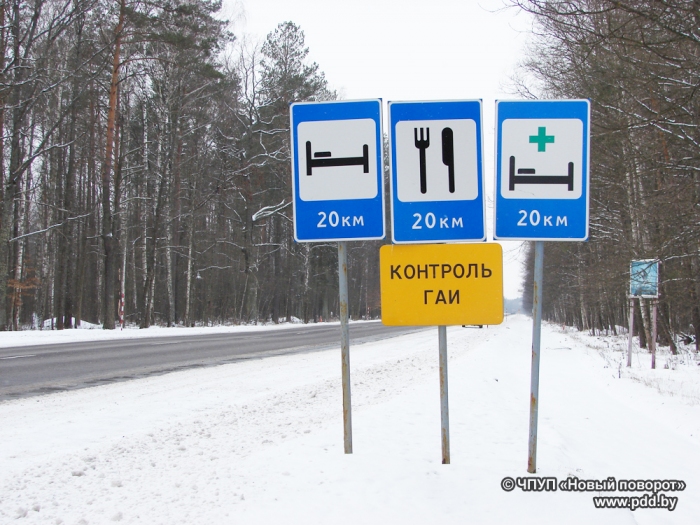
(542, 157)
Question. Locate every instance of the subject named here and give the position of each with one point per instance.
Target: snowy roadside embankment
(261, 441)
(90, 332)
(675, 375)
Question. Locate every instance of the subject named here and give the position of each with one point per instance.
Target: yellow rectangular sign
(441, 284)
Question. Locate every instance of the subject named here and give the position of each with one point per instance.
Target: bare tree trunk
(107, 218)
(695, 295)
(3, 238)
(169, 271)
(122, 291)
(152, 249)
(190, 257)
(664, 320)
(646, 321)
(173, 209)
(148, 288)
(277, 270)
(18, 263)
(134, 284)
(62, 248)
(69, 189)
(11, 186)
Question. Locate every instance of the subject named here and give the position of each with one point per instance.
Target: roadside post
(644, 284)
(437, 196)
(542, 194)
(442, 284)
(338, 192)
(630, 332)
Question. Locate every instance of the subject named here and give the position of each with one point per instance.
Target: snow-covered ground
(261, 441)
(92, 332)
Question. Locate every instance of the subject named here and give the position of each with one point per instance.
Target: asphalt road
(35, 370)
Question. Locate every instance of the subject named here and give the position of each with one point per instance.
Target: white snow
(93, 332)
(260, 441)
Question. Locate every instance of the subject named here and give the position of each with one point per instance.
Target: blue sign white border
(438, 110)
(339, 110)
(547, 110)
(651, 263)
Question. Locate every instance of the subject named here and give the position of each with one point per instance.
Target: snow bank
(95, 333)
(674, 375)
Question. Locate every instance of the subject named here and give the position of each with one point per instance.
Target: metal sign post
(338, 192)
(535, 368)
(444, 407)
(437, 195)
(345, 344)
(654, 303)
(442, 284)
(631, 332)
(542, 194)
(644, 284)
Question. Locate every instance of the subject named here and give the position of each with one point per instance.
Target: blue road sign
(337, 170)
(437, 183)
(542, 159)
(644, 278)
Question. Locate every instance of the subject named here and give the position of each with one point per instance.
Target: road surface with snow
(47, 368)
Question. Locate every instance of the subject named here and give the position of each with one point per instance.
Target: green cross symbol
(541, 139)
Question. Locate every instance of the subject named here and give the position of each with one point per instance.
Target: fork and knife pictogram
(422, 142)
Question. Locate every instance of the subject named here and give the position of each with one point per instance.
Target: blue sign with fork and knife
(437, 182)
(542, 150)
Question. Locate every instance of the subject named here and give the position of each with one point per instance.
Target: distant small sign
(644, 278)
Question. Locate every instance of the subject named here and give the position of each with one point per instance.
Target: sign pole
(644, 282)
(444, 407)
(542, 193)
(631, 332)
(654, 303)
(345, 343)
(535, 370)
(338, 192)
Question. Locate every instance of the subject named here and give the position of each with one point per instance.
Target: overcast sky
(407, 50)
